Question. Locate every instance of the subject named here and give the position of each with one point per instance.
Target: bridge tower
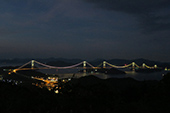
(133, 66)
(84, 66)
(104, 64)
(32, 64)
(143, 65)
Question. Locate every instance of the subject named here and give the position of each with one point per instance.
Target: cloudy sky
(87, 29)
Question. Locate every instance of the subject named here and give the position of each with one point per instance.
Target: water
(143, 76)
(68, 73)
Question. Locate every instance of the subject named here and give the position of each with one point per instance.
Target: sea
(73, 73)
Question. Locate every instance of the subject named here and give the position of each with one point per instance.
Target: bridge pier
(104, 64)
(143, 65)
(32, 64)
(133, 66)
(84, 66)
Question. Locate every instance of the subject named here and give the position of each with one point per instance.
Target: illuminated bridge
(82, 65)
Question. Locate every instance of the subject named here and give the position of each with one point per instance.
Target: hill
(89, 95)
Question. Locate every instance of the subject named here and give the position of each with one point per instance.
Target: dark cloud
(76, 28)
(132, 6)
(152, 23)
(5, 32)
(148, 12)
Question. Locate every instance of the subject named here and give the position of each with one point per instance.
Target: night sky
(86, 29)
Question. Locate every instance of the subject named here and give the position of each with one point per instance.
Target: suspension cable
(67, 67)
(24, 65)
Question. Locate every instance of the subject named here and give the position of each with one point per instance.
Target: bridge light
(104, 64)
(84, 63)
(143, 65)
(57, 91)
(32, 64)
(69, 79)
(133, 63)
(14, 71)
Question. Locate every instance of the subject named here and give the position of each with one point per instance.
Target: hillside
(89, 95)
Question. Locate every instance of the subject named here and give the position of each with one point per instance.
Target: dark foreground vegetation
(89, 95)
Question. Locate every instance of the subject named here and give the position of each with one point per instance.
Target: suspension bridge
(82, 65)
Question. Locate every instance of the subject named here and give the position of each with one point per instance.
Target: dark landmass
(89, 95)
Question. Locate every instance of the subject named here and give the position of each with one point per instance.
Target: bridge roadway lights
(14, 71)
